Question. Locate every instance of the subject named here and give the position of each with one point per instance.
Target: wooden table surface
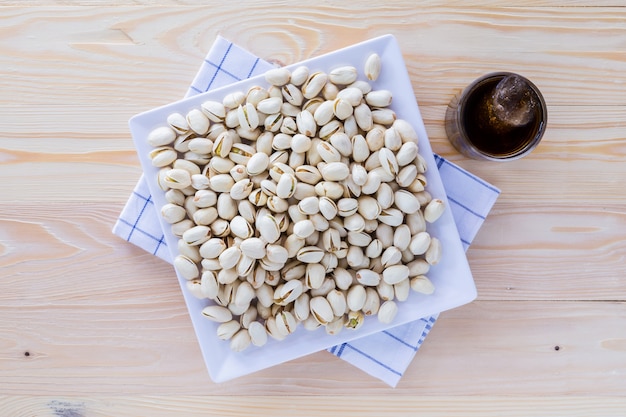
(93, 326)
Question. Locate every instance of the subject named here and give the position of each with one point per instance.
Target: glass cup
(501, 116)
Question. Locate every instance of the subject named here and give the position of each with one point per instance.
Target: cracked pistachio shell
(310, 254)
(288, 292)
(402, 237)
(303, 228)
(176, 178)
(241, 153)
(186, 267)
(240, 227)
(217, 314)
(355, 320)
(391, 216)
(197, 235)
(372, 302)
(329, 189)
(363, 117)
(292, 94)
(241, 189)
(286, 323)
(391, 256)
(406, 176)
(308, 174)
(321, 310)
(240, 341)
(406, 201)
(328, 208)
(173, 213)
(419, 243)
(407, 153)
(337, 301)
(343, 75)
(229, 257)
(227, 330)
(163, 156)
(268, 228)
(360, 150)
(388, 161)
(257, 163)
(212, 248)
(220, 228)
(214, 111)
(286, 186)
(198, 121)
(306, 123)
(314, 84)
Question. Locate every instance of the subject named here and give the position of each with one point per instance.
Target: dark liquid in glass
(493, 136)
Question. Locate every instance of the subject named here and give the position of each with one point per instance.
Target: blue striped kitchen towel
(385, 355)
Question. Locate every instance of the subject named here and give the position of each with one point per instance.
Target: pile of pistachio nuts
(298, 203)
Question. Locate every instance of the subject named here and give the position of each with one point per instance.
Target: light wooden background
(92, 326)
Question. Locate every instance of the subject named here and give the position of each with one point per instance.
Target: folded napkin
(384, 355)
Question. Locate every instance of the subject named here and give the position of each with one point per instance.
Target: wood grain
(93, 326)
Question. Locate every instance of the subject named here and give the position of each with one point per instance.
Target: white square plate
(452, 276)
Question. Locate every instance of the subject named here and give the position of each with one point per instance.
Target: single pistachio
(303, 228)
(220, 228)
(181, 227)
(329, 129)
(292, 94)
(407, 153)
(293, 244)
(393, 141)
(163, 156)
(355, 320)
(190, 251)
(321, 310)
(335, 327)
(272, 123)
(175, 197)
(342, 109)
(227, 330)
(277, 204)
(197, 235)
(388, 161)
(314, 84)
(240, 341)
(257, 163)
(433, 253)
(387, 311)
(328, 152)
(278, 76)
(373, 65)
(269, 105)
(360, 150)
(361, 239)
(200, 182)
(215, 111)
(362, 85)
(356, 297)
(282, 141)
(288, 292)
(173, 213)
(335, 171)
(286, 186)
(221, 165)
(312, 104)
(221, 183)
(186, 267)
(391, 256)
(209, 287)
(253, 247)
(299, 75)
(177, 178)
(198, 121)
(395, 273)
(268, 228)
(355, 256)
(161, 136)
(419, 243)
(422, 285)
(424, 197)
(217, 314)
(337, 301)
(391, 216)
(405, 130)
(310, 254)
(330, 189)
(277, 169)
(434, 210)
(385, 291)
(258, 334)
(301, 310)
(347, 206)
(367, 277)
(372, 302)
(402, 237)
(363, 117)
(241, 153)
(229, 257)
(306, 123)
(320, 224)
(308, 174)
(327, 207)
(402, 290)
(384, 117)
(241, 189)
(211, 265)
(272, 329)
(289, 125)
(374, 249)
(343, 75)
(406, 201)
(276, 253)
(300, 143)
(369, 207)
(406, 176)
(212, 248)
(378, 98)
(205, 216)
(359, 174)
(257, 197)
(372, 184)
